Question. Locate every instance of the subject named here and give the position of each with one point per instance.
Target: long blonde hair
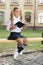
(11, 15)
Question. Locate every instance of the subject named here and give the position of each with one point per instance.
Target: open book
(19, 24)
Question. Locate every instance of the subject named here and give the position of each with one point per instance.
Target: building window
(28, 1)
(15, 1)
(40, 17)
(1, 16)
(28, 17)
(41, 1)
(2, 1)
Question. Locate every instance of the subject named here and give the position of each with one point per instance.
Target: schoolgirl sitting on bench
(15, 32)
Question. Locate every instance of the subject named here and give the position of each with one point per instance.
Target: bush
(0, 24)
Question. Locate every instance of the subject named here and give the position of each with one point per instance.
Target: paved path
(26, 59)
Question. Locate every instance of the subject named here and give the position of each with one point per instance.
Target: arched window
(28, 17)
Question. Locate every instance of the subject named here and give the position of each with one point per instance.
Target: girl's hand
(24, 27)
(13, 27)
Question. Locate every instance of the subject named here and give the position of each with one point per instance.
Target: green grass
(5, 47)
(28, 33)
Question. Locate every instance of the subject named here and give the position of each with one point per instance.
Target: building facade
(32, 11)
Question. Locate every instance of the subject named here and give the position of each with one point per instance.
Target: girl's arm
(10, 27)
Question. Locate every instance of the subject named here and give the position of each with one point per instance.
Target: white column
(35, 11)
(21, 6)
(7, 11)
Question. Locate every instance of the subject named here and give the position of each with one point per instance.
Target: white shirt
(17, 29)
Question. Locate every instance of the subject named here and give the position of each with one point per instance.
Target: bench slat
(29, 39)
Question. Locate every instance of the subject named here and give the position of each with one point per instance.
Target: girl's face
(17, 13)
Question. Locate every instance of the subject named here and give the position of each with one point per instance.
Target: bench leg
(42, 41)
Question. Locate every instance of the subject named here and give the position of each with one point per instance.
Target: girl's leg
(25, 41)
(22, 43)
(19, 47)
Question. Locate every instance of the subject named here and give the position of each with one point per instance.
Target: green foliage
(0, 24)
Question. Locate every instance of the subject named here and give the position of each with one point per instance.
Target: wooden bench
(29, 39)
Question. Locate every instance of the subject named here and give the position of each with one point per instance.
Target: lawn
(4, 47)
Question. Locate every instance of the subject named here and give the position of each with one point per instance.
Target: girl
(15, 32)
